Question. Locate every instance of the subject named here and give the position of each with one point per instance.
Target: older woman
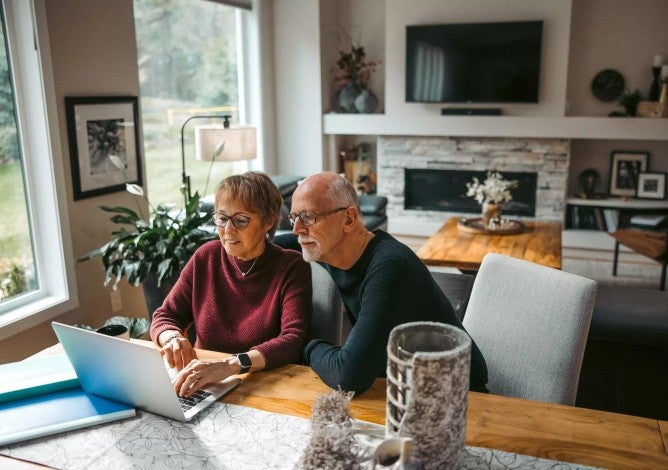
(243, 295)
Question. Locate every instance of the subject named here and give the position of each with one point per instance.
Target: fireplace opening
(445, 190)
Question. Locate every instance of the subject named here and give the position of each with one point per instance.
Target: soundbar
(471, 111)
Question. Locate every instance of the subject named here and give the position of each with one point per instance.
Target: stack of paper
(42, 396)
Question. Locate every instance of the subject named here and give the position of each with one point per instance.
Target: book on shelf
(647, 220)
(611, 219)
(593, 218)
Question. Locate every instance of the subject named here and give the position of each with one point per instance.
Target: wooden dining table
(545, 430)
(451, 246)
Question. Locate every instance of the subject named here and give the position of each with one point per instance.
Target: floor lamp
(217, 143)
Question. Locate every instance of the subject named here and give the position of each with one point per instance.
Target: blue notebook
(36, 376)
(51, 413)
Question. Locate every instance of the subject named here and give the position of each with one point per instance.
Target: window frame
(30, 61)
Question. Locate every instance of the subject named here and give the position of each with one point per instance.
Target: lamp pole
(185, 179)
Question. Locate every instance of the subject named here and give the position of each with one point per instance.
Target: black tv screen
(473, 62)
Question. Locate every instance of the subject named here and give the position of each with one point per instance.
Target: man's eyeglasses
(239, 221)
(310, 218)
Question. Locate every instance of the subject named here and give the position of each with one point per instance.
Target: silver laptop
(132, 373)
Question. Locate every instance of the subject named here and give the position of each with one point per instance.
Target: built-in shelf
(498, 126)
(619, 203)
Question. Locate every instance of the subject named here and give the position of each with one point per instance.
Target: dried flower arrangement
(491, 191)
(353, 67)
(332, 444)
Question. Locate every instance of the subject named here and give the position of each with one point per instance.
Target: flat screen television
(473, 62)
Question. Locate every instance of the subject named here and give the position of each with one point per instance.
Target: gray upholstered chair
(531, 324)
(329, 320)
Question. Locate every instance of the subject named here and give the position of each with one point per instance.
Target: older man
(382, 283)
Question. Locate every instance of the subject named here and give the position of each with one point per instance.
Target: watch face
(245, 362)
(608, 85)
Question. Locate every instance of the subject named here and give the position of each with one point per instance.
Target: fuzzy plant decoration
(332, 444)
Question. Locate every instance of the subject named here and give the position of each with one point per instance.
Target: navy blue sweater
(389, 285)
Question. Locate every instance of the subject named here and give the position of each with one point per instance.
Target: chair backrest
(456, 287)
(531, 324)
(329, 320)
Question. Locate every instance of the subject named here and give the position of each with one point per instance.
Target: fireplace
(424, 159)
(445, 190)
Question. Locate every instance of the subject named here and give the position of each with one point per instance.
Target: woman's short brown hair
(256, 192)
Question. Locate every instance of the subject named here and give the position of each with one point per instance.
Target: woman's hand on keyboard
(178, 352)
(199, 373)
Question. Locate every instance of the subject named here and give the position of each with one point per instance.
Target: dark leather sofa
(625, 367)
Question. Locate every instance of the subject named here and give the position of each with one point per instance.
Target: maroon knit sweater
(269, 309)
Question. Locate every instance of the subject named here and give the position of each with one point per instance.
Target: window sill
(35, 313)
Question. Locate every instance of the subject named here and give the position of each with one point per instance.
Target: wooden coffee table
(540, 243)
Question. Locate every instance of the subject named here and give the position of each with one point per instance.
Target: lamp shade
(225, 144)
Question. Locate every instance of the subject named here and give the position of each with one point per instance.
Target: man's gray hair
(342, 193)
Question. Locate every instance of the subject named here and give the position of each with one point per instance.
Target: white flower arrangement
(493, 190)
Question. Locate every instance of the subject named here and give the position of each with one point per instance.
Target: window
(189, 58)
(17, 268)
(34, 226)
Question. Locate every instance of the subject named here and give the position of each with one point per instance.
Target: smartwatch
(245, 362)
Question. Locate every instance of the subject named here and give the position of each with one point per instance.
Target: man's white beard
(311, 254)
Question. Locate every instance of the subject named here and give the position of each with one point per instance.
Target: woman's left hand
(199, 373)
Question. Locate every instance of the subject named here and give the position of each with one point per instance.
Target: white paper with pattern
(222, 437)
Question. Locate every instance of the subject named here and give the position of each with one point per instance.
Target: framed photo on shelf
(624, 170)
(652, 185)
(99, 128)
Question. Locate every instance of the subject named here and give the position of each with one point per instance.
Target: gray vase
(345, 97)
(366, 102)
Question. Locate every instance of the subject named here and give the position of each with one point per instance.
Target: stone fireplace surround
(548, 158)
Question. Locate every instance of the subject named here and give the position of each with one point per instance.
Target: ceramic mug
(115, 330)
(397, 454)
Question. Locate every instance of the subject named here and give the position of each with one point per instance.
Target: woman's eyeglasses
(310, 218)
(240, 222)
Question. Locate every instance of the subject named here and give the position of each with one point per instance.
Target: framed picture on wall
(104, 144)
(625, 167)
(652, 185)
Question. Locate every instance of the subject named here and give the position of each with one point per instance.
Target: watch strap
(245, 362)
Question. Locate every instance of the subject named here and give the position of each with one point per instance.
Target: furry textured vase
(428, 372)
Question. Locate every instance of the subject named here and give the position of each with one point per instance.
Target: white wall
(624, 35)
(297, 87)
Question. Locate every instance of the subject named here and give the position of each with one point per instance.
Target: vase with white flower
(489, 194)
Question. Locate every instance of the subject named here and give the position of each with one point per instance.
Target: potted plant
(152, 251)
(630, 101)
(352, 76)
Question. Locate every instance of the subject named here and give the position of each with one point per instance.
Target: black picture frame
(97, 127)
(652, 185)
(625, 166)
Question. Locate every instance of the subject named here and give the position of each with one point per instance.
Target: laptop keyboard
(189, 402)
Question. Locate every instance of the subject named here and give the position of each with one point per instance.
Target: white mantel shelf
(498, 126)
